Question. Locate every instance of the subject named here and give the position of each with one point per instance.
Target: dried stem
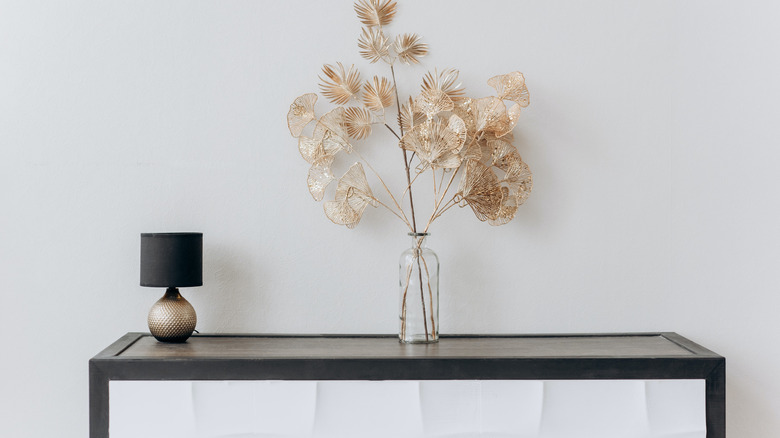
(406, 159)
(402, 215)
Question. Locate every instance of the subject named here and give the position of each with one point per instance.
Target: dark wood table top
(642, 345)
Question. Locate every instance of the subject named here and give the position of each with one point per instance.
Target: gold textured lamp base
(172, 318)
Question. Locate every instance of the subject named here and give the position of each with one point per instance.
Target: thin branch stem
(406, 159)
(438, 203)
(387, 189)
(391, 130)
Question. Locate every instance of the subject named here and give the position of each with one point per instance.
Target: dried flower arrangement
(440, 130)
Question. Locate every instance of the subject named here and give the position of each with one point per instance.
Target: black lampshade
(171, 259)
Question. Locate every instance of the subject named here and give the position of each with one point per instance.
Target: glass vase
(418, 272)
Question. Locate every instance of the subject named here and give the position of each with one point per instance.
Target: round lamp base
(172, 318)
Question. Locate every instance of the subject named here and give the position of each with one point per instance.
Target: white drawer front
(408, 409)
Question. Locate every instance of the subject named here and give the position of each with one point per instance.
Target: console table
(466, 386)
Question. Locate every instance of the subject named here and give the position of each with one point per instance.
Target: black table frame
(697, 363)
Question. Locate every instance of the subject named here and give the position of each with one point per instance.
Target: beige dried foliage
(408, 118)
(375, 12)
(433, 101)
(409, 48)
(463, 137)
(512, 87)
(506, 210)
(301, 113)
(339, 84)
(333, 125)
(520, 181)
(378, 94)
(353, 195)
(479, 188)
(311, 150)
(446, 81)
(358, 122)
(436, 144)
(464, 109)
(491, 117)
(373, 44)
(320, 176)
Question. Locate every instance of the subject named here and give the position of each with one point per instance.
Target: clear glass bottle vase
(418, 272)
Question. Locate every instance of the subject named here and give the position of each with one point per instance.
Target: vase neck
(419, 240)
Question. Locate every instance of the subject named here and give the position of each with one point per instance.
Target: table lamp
(172, 260)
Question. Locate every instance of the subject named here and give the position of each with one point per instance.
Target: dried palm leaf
(409, 48)
(378, 94)
(433, 101)
(353, 195)
(373, 44)
(301, 113)
(435, 144)
(408, 118)
(358, 122)
(446, 82)
(511, 87)
(375, 12)
(319, 177)
(339, 85)
(479, 188)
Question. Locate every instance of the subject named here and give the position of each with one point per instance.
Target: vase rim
(419, 234)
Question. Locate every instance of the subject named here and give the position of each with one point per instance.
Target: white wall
(650, 135)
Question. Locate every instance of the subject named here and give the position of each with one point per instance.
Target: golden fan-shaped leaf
(315, 149)
(340, 213)
(520, 181)
(358, 122)
(311, 150)
(331, 130)
(319, 177)
(458, 127)
(301, 113)
(507, 209)
(504, 154)
(511, 87)
(479, 188)
(354, 188)
(464, 109)
(409, 48)
(513, 113)
(490, 116)
(436, 144)
(408, 118)
(433, 101)
(473, 151)
(378, 94)
(446, 82)
(375, 12)
(373, 44)
(339, 84)
(353, 195)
